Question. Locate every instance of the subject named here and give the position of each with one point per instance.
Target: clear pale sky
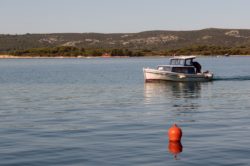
(106, 16)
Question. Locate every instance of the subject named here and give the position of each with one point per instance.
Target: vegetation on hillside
(201, 42)
(69, 51)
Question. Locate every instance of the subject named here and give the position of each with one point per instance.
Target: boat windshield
(177, 62)
(182, 62)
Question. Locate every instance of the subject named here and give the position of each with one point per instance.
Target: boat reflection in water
(178, 100)
(171, 90)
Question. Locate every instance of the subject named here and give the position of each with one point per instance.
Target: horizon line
(36, 33)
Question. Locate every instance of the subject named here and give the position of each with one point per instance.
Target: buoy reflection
(175, 148)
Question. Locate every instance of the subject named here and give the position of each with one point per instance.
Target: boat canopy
(183, 57)
(182, 60)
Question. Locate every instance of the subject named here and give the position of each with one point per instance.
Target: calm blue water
(100, 112)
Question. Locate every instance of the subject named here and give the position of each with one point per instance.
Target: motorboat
(180, 68)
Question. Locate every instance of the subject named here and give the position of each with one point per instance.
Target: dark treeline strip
(69, 51)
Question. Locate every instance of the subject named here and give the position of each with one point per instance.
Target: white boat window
(160, 68)
(165, 68)
(182, 62)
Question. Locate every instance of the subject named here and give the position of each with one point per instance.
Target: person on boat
(197, 66)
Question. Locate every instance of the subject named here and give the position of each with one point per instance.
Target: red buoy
(174, 133)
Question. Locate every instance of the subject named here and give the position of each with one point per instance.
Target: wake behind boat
(181, 68)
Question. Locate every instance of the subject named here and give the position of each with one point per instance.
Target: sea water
(100, 112)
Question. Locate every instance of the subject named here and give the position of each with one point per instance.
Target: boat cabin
(185, 70)
(182, 64)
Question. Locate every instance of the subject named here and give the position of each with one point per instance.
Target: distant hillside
(147, 41)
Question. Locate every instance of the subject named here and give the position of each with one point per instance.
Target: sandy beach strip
(38, 57)
(16, 57)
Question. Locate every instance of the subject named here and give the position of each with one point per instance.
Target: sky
(120, 16)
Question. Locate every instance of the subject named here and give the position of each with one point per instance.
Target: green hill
(206, 41)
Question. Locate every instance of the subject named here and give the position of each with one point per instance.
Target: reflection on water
(178, 98)
(175, 148)
(169, 90)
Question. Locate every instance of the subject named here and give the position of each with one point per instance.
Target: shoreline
(47, 57)
(104, 57)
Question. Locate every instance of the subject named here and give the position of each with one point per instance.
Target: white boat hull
(151, 75)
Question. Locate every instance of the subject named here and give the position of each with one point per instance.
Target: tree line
(70, 51)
